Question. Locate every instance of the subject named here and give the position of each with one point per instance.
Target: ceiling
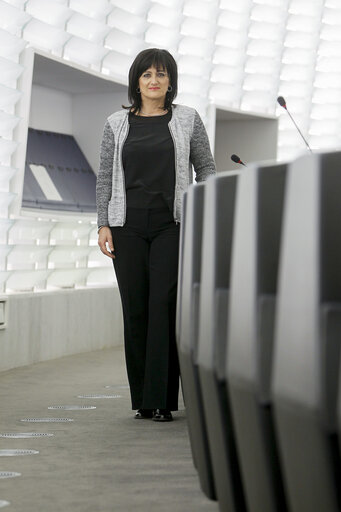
(52, 73)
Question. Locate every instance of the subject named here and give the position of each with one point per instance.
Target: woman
(146, 158)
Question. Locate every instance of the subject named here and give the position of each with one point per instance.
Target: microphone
(281, 101)
(283, 104)
(237, 160)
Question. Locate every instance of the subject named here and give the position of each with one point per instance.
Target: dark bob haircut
(160, 59)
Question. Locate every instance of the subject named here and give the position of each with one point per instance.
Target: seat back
(191, 242)
(187, 329)
(213, 320)
(255, 255)
(215, 270)
(307, 334)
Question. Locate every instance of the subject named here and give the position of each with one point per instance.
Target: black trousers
(146, 266)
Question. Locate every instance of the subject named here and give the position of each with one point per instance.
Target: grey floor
(102, 461)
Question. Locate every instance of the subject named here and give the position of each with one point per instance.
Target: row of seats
(259, 334)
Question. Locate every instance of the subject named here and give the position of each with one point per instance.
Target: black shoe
(142, 414)
(162, 415)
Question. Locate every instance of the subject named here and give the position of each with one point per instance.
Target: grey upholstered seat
(187, 331)
(215, 283)
(308, 334)
(255, 254)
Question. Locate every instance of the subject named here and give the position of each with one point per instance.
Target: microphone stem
(299, 131)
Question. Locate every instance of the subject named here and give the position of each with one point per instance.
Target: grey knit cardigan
(191, 147)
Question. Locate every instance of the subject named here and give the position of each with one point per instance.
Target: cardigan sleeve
(200, 151)
(104, 176)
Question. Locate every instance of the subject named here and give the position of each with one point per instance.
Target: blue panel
(68, 169)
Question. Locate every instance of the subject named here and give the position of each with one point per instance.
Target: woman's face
(153, 84)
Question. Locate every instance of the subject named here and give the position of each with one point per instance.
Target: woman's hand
(105, 236)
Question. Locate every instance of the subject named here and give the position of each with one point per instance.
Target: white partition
(49, 249)
(250, 135)
(46, 325)
(63, 97)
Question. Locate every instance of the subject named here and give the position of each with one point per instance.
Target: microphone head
(235, 159)
(281, 101)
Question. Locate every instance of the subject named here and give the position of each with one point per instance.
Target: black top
(149, 162)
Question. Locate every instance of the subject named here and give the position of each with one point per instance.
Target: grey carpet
(105, 460)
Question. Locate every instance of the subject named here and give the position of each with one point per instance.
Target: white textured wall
(240, 55)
